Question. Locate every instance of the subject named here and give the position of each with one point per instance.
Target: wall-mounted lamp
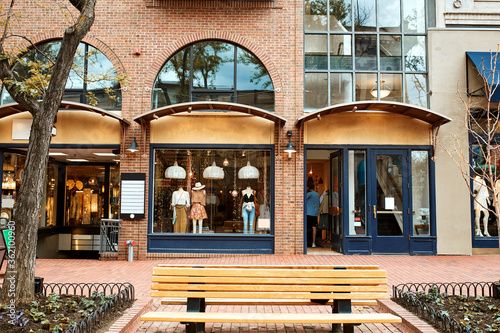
(289, 149)
(133, 147)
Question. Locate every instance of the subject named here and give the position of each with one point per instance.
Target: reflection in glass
(365, 47)
(389, 203)
(364, 87)
(316, 52)
(204, 97)
(340, 52)
(394, 82)
(416, 89)
(414, 16)
(114, 192)
(364, 15)
(415, 53)
(340, 88)
(213, 65)
(340, 15)
(316, 90)
(75, 79)
(357, 192)
(315, 15)
(223, 197)
(389, 16)
(172, 84)
(420, 192)
(390, 52)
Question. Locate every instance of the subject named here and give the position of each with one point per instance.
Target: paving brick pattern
(400, 269)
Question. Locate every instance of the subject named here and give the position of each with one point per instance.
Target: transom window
(364, 50)
(99, 88)
(213, 71)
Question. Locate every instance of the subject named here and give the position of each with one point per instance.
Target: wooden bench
(270, 285)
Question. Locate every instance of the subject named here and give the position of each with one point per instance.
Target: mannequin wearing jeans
(248, 210)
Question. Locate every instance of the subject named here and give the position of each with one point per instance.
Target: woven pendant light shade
(175, 172)
(248, 172)
(213, 172)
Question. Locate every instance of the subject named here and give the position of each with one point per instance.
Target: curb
(411, 323)
(131, 319)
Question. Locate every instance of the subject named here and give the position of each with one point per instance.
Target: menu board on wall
(133, 195)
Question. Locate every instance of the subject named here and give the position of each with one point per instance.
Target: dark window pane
(172, 84)
(390, 52)
(364, 15)
(213, 65)
(316, 52)
(366, 52)
(315, 18)
(389, 16)
(340, 15)
(340, 52)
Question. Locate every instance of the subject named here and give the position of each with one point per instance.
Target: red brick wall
(273, 31)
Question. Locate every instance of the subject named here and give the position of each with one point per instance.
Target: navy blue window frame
(209, 243)
(419, 244)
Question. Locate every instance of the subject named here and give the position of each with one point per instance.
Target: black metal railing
(406, 295)
(124, 292)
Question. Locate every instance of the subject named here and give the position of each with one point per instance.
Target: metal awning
(488, 66)
(14, 108)
(208, 106)
(433, 118)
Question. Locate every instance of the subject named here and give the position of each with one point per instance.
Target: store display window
(13, 168)
(216, 191)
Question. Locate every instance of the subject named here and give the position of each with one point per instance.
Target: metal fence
(110, 229)
(406, 295)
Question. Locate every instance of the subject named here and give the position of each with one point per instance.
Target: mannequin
(248, 209)
(198, 212)
(481, 200)
(180, 201)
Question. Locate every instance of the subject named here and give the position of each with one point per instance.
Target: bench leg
(342, 306)
(348, 328)
(195, 305)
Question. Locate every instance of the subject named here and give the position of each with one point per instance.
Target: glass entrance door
(389, 201)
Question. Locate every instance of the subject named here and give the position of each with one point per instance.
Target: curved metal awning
(14, 108)
(423, 114)
(208, 106)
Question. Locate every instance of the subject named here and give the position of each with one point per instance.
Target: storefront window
(420, 192)
(85, 195)
(223, 191)
(357, 192)
(114, 192)
(13, 168)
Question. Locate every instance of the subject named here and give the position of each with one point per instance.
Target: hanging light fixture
(226, 162)
(213, 172)
(289, 149)
(133, 147)
(175, 172)
(384, 90)
(248, 172)
(311, 172)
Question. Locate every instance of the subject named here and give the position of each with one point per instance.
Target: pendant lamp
(248, 172)
(175, 172)
(213, 172)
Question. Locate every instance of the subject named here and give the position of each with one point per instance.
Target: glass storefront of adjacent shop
(235, 185)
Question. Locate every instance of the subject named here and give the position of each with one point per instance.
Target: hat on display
(198, 186)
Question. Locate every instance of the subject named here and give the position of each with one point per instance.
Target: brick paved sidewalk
(400, 269)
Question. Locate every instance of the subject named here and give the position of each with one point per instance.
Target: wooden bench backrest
(269, 283)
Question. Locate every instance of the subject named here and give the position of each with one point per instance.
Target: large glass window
(357, 192)
(379, 44)
(223, 191)
(420, 184)
(99, 88)
(213, 71)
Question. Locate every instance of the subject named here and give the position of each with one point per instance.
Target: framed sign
(133, 195)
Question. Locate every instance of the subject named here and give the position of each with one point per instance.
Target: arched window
(213, 71)
(100, 88)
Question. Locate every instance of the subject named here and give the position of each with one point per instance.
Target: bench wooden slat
(274, 266)
(304, 295)
(288, 318)
(264, 288)
(250, 280)
(280, 273)
(250, 302)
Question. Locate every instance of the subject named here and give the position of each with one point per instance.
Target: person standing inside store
(312, 212)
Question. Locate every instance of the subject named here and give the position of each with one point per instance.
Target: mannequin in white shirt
(180, 203)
